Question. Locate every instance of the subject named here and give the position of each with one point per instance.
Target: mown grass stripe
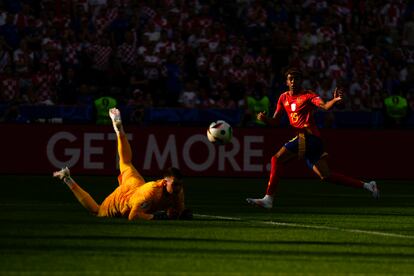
(321, 227)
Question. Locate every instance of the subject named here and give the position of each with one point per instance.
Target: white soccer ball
(219, 132)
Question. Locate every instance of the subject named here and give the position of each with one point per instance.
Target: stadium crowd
(203, 53)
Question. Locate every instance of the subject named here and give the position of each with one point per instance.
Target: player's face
(294, 82)
(171, 185)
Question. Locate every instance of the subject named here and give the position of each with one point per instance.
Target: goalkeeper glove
(186, 214)
(160, 215)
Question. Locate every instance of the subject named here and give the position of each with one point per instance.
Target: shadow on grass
(137, 238)
(271, 251)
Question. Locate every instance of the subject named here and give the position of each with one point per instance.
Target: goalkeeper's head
(173, 180)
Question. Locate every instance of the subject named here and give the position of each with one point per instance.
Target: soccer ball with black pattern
(219, 132)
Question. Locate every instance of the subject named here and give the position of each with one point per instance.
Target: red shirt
(299, 109)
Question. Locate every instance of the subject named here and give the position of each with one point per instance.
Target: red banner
(41, 149)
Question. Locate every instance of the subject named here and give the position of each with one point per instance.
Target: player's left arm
(337, 97)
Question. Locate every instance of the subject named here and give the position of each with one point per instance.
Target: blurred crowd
(204, 53)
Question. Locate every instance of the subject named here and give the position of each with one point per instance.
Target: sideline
(320, 227)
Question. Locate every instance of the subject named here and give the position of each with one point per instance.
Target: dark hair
(178, 180)
(294, 72)
(175, 172)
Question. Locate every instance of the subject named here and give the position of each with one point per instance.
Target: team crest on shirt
(293, 106)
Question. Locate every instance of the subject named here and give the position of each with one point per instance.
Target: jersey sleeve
(316, 100)
(139, 213)
(140, 209)
(142, 204)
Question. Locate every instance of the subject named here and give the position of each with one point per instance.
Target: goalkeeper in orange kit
(134, 198)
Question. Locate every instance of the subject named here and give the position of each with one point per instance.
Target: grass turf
(314, 228)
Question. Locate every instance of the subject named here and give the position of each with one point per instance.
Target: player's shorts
(312, 149)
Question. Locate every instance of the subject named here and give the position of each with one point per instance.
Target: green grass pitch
(315, 228)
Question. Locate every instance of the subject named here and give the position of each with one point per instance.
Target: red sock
(273, 178)
(340, 179)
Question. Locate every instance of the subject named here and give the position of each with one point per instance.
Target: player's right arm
(177, 207)
(138, 213)
(273, 121)
(141, 204)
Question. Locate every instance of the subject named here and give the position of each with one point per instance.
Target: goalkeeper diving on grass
(134, 198)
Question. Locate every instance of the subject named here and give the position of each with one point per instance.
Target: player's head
(174, 180)
(294, 79)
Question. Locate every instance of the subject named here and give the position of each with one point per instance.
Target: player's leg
(82, 196)
(281, 157)
(128, 171)
(321, 168)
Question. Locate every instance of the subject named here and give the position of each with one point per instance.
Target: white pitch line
(216, 217)
(321, 227)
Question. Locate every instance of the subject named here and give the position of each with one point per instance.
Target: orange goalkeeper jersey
(140, 201)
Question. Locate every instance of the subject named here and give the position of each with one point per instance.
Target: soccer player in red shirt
(299, 105)
(134, 198)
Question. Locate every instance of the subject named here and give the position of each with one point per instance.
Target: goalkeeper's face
(172, 184)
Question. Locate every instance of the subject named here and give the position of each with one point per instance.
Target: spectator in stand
(119, 28)
(100, 54)
(189, 96)
(203, 76)
(408, 31)
(137, 104)
(3, 13)
(164, 45)
(156, 74)
(23, 58)
(9, 86)
(10, 33)
(308, 38)
(102, 18)
(225, 100)
(126, 56)
(410, 99)
(138, 79)
(237, 74)
(68, 88)
(326, 89)
(206, 101)
(377, 108)
(43, 86)
(315, 63)
(337, 69)
(391, 80)
(174, 80)
(360, 92)
(5, 56)
(71, 49)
